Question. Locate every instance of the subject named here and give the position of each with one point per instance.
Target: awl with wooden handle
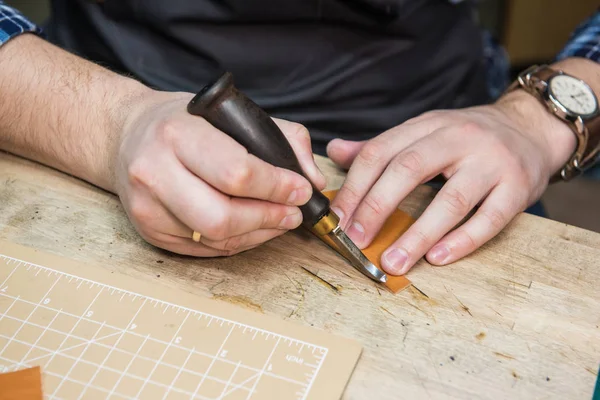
(232, 112)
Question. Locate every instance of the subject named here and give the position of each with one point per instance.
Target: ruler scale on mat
(97, 334)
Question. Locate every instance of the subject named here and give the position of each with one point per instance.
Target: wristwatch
(572, 101)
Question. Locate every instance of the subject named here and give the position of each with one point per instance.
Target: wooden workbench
(520, 318)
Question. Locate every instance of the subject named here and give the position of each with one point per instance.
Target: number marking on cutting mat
(148, 349)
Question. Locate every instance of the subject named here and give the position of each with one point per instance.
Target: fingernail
(299, 196)
(394, 261)
(291, 221)
(338, 212)
(357, 233)
(439, 254)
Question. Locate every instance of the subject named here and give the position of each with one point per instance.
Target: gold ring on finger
(196, 237)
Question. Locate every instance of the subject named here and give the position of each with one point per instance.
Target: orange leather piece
(25, 384)
(393, 227)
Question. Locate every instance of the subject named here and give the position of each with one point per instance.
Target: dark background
(532, 32)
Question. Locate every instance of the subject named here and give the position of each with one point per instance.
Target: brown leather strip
(25, 384)
(393, 227)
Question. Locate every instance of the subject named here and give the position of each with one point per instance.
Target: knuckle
(274, 214)
(301, 133)
(496, 218)
(466, 239)
(371, 154)
(472, 128)
(168, 128)
(349, 195)
(233, 244)
(522, 180)
(410, 163)
(456, 202)
(217, 228)
(501, 150)
(140, 171)
(141, 211)
(237, 177)
(270, 216)
(422, 237)
(375, 203)
(280, 186)
(512, 169)
(502, 154)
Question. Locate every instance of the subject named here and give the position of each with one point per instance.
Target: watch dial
(573, 94)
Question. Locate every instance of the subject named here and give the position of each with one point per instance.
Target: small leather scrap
(392, 229)
(24, 384)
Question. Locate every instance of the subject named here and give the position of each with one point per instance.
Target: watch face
(573, 95)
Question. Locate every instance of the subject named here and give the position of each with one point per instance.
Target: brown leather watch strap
(544, 73)
(535, 80)
(593, 147)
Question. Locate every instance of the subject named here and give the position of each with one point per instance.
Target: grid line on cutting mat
(69, 338)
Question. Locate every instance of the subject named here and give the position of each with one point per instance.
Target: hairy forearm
(61, 110)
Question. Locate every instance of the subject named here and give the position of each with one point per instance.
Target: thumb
(343, 152)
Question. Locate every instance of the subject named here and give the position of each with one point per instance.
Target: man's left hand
(497, 156)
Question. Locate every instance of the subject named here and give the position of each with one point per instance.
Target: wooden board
(517, 319)
(99, 335)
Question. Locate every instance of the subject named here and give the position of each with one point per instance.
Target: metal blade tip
(356, 256)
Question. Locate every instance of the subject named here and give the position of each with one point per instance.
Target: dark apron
(343, 68)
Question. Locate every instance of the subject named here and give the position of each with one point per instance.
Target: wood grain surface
(520, 318)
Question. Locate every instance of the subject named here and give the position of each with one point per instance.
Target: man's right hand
(175, 174)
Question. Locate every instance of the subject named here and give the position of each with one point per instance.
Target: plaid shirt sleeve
(13, 23)
(585, 40)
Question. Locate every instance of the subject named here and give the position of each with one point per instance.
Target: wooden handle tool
(232, 112)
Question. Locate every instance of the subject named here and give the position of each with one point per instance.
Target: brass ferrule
(326, 224)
